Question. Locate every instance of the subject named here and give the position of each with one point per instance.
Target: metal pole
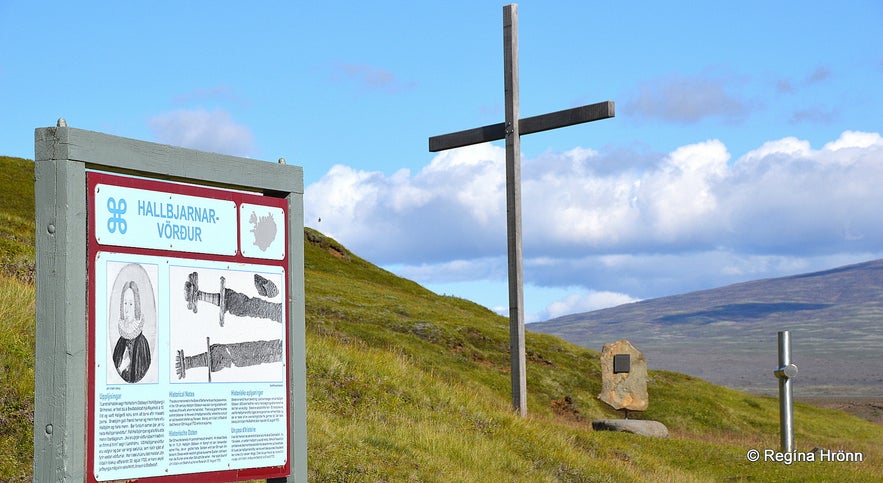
(513, 210)
(784, 373)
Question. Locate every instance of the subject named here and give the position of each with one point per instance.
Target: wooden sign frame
(65, 159)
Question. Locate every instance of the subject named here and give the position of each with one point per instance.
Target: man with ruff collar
(131, 356)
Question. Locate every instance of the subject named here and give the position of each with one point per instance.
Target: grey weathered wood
(513, 210)
(528, 125)
(297, 367)
(60, 366)
(171, 162)
(511, 130)
(62, 155)
(492, 132)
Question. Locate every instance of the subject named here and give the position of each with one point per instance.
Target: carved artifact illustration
(236, 303)
(248, 335)
(222, 356)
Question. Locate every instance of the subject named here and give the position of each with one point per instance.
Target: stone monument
(624, 386)
(623, 377)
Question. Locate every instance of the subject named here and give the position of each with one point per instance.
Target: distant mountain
(728, 335)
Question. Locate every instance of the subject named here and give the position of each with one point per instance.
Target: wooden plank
(568, 117)
(517, 352)
(60, 367)
(103, 151)
(528, 125)
(468, 137)
(297, 367)
(48, 451)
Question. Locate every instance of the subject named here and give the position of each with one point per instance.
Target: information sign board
(187, 331)
(164, 221)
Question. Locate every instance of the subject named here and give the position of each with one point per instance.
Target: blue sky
(747, 141)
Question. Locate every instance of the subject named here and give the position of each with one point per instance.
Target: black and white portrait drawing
(227, 325)
(131, 324)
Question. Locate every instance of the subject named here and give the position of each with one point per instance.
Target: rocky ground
(870, 408)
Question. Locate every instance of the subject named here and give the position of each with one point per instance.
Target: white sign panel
(190, 372)
(260, 231)
(131, 217)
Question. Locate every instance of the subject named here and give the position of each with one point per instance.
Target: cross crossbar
(511, 130)
(528, 125)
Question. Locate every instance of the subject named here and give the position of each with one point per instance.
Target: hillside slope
(443, 349)
(728, 335)
(406, 385)
(17, 218)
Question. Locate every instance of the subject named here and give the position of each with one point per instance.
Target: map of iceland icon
(260, 231)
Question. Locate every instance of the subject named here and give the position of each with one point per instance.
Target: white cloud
(672, 201)
(854, 139)
(573, 205)
(585, 302)
(789, 147)
(647, 275)
(681, 195)
(453, 271)
(691, 219)
(615, 279)
(474, 177)
(214, 131)
(456, 204)
(799, 200)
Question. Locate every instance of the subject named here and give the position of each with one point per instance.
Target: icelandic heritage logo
(116, 210)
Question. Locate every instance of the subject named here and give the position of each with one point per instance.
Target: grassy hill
(17, 218)
(728, 335)
(407, 385)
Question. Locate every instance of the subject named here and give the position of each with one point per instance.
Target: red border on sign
(93, 247)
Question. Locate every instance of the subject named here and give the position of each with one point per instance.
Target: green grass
(16, 378)
(17, 218)
(407, 385)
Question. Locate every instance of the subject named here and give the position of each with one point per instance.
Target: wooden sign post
(511, 130)
(170, 313)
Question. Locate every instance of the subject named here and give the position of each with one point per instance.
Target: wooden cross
(511, 130)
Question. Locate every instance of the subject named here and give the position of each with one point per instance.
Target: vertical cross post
(517, 356)
(511, 130)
